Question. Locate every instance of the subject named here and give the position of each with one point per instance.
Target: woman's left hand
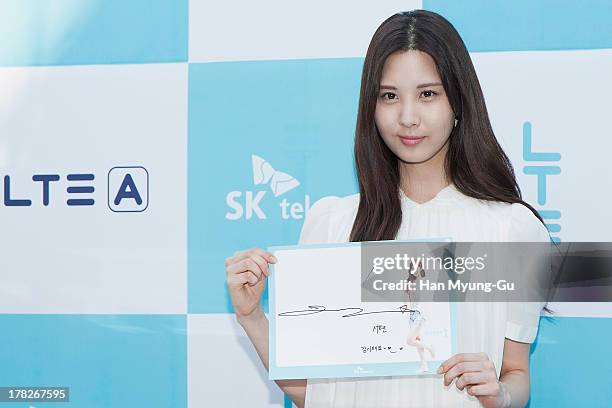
(476, 373)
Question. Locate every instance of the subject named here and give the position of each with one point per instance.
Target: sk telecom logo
(127, 189)
(279, 182)
(246, 204)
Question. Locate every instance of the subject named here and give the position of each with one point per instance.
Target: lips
(411, 140)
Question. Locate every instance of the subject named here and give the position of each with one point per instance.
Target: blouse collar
(448, 193)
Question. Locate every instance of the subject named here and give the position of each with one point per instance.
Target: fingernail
(440, 369)
(273, 259)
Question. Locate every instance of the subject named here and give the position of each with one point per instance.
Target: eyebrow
(427, 85)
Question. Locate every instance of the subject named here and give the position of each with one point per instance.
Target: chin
(409, 155)
(413, 158)
(412, 155)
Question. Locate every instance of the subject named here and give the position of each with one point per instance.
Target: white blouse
(481, 326)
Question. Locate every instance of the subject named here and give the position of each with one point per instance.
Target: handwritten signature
(357, 311)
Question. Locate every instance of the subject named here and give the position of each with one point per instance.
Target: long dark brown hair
(475, 161)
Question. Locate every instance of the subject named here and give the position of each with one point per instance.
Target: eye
(388, 96)
(428, 94)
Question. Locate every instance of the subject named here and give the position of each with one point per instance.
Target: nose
(409, 115)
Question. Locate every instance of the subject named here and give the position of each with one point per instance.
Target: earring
(456, 121)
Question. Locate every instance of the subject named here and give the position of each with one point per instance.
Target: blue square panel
(83, 32)
(526, 25)
(105, 360)
(266, 140)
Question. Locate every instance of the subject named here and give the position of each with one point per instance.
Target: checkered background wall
(128, 132)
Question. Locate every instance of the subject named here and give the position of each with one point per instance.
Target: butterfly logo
(264, 173)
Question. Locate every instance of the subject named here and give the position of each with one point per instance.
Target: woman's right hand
(246, 279)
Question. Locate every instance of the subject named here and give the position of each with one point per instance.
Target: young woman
(428, 164)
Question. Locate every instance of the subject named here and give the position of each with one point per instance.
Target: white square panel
(219, 349)
(276, 29)
(85, 121)
(565, 97)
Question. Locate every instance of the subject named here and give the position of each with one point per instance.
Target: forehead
(409, 68)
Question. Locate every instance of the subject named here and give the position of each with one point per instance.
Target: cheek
(384, 121)
(442, 121)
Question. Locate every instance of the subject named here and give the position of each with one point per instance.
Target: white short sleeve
(524, 317)
(525, 226)
(317, 222)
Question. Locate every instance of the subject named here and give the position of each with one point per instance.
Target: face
(413, 114)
